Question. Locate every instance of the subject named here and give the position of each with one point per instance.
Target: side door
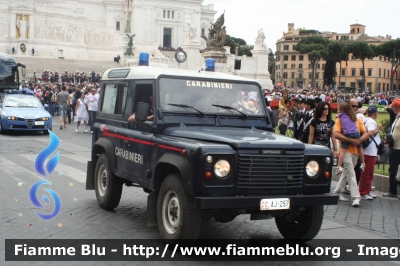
(139, 136)
(112, 114)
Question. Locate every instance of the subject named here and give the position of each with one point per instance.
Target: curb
(380, 182)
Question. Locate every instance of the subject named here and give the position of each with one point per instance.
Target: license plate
(275, 204)
(39, 123)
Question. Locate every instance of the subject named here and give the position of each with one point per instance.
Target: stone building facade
(294, 70)
(95, 30)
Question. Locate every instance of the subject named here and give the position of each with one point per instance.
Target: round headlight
(328, 160)
(209, 159)
(312, 168)
(222, 168)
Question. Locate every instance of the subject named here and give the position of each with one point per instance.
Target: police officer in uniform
(307, 116)
(299, 118)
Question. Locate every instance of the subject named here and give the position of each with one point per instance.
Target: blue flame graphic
(45, 153)
(35, 201)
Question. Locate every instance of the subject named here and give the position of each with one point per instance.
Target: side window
(142, 94)
(115, 99)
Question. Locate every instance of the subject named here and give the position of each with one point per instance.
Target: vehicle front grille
(271, 172)
(29, 122)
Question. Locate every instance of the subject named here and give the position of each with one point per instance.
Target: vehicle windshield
(8, 74)
(210, 96)
(23, 102)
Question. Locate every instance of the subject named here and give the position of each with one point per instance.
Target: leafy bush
(381, 108)
(385, 124)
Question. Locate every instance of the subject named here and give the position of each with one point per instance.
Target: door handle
(127, 142)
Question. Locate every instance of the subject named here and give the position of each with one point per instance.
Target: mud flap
(90, 176)
(152, 209)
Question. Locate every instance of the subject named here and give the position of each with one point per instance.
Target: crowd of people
(48, 76)
(353, 136)
(73, 102)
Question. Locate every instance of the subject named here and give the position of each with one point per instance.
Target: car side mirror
(46, 107)
(23, 71)
(274, 118)
(142, 110)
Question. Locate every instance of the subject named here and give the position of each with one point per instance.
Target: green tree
(233, 42)
(315, 48)
(362, 51)
(387, 49)
(272, 62)
(329, 72)
(336, 53)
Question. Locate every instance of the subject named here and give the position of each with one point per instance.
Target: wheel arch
(170, 164)
(103, 145)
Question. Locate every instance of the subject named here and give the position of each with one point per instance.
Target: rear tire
(177, 216)
(108, 187)
(303, 226)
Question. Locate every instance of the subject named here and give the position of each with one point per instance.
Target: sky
(243, 19)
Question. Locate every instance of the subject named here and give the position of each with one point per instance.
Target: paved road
(81, 217)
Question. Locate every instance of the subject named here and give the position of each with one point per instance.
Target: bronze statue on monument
(216, 35)
(216, 40)
(129, 50)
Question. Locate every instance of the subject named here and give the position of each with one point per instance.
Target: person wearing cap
(394, 152)
(370, 154)
(392, 116)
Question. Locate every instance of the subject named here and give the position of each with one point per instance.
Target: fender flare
(180, 163)
(104, 144)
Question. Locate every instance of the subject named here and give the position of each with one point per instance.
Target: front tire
(177, 216)
(2, 131)
(108, 187)
(304, 225)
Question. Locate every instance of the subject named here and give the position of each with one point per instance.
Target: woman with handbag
(321, 132)
(285, 118)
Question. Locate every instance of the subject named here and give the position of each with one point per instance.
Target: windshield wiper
(186, 107)
(229, 108)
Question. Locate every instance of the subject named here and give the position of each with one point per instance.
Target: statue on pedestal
(216, 35)
(22, 26)
(130, 45)
(192, 32)
(260, 38)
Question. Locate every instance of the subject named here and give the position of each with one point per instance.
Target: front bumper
(25, 125)
(253, 202)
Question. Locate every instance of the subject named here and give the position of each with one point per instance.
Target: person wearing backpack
(370, 153)
(52, 101)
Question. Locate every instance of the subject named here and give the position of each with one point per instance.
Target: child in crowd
(348, 119)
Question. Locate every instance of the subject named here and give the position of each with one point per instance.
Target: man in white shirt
(92, 100)
(323, 97)
(370, 154)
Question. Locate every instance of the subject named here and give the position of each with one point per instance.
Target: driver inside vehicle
(246, 102)
(150, 115)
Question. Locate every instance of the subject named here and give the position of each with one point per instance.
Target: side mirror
(23, 71)
(142, 110)
(46, 107)
(274, 118)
